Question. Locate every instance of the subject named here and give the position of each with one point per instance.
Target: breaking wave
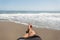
(42, 20)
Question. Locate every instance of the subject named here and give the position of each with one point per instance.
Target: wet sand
(12, 31)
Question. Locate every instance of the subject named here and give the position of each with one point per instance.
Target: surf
(41, 20)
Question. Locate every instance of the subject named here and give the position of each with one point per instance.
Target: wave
(42, 20)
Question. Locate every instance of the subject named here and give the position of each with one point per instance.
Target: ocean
(39, 19)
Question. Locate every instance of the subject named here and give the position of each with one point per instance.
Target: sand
(12, 31)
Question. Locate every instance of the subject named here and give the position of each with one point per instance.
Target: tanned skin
(29, 32)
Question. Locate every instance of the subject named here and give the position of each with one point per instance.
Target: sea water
(49, 20)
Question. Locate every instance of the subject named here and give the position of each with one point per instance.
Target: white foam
(42, 20)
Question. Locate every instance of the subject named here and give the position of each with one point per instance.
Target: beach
(12, 31)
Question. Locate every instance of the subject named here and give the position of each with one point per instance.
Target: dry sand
(12, 31)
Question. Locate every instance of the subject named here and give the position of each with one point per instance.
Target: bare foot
(26, 35)
(30, 32)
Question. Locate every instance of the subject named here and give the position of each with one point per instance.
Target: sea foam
(42, 20)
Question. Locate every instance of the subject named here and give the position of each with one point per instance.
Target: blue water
(26, 12)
